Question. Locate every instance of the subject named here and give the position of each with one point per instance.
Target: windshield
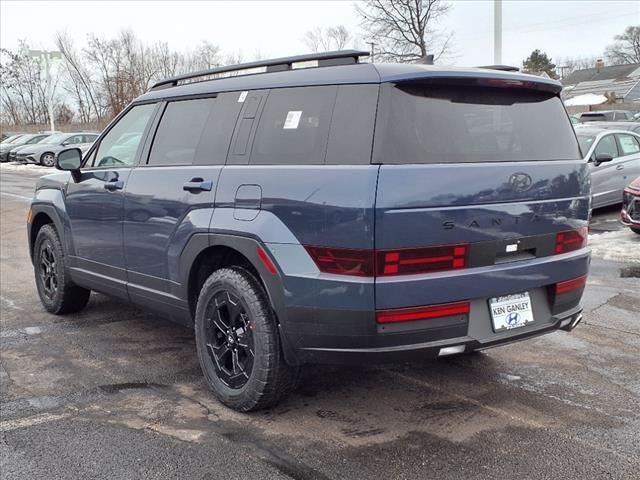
(585, 142)
(11, 138)
(58, 138)
(449, 124)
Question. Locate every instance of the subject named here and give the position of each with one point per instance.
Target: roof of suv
(354, 73)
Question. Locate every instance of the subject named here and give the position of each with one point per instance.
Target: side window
(628, 144)
(179, 132)
(352, 124)
(89, 138)
(214, 144)
(75, 139)
(119, 146)
(294, 126)
(607, 145)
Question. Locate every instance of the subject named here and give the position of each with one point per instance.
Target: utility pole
(497, 32)
(372, 52)
(46, 57)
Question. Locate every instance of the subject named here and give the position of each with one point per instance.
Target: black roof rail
(504, 68)
(324, 59)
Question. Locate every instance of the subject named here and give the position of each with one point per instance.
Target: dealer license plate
(511, 311)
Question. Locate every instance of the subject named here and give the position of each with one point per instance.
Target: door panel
(95, 203)
(95, 216)
(604, 178)
(165, 203)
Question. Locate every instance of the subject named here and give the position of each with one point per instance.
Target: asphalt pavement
(116, 393)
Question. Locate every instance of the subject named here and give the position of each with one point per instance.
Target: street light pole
(497, 32)
(46, 57)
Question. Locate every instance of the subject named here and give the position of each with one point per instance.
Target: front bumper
(630, 213)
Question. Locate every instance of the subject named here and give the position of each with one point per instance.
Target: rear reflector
(571, 240)
(422, 313)
(570, 285)
(342, 261)
(420, 260)
(267, 261)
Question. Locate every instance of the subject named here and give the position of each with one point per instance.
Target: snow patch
(20, 167)
(619, 246)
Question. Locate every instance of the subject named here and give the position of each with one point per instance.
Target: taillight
(571, 240)
(342, 261)
(570, 285)
(406, 261)
(422, 313)
(421, 260)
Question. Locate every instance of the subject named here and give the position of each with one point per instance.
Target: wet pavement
(115, 392)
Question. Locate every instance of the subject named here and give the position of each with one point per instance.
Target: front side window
(294, 126)
(462, 124)
(119, 146)
(628, 144)
(607, 146)
(179, 132)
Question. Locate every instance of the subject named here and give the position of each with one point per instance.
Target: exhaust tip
(569, 324)
(451, 350)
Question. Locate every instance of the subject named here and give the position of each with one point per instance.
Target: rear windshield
(444, 124)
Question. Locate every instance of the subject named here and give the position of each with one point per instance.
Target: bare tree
(626, 48)
(567, 65)
(327, 39)
(79, 85)
(405, 30)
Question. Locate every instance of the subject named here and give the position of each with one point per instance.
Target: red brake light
(421, 260)
(343, 261)
(569, 285)
(422, 313)
(571, 240)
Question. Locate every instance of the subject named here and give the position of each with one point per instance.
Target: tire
(57, 292)
(47, 159)
(238, 342)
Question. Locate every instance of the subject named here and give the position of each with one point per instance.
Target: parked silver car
(614, 158)
(44, 154)
(628, 126)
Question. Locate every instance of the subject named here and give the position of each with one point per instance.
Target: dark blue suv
(317, 209)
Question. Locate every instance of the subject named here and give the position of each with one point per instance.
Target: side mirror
(602, 157)
(70, 160)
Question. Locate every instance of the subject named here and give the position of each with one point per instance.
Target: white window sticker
(243, 96)
(292, 120)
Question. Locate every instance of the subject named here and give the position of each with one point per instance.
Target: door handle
(619, 167)
(114, 185)
(197, 185)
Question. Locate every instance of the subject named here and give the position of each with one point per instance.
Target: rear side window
(628, 144)
(179, 132)
(294, 126)
(444, 124)
(607, 146)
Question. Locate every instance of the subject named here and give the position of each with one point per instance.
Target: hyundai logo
(520, 182)
(513, 318)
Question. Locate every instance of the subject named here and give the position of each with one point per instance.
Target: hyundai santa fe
(346, 212)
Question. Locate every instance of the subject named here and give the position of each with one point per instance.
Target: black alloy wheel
(230, 339)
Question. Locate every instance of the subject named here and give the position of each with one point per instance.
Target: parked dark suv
(346, 212)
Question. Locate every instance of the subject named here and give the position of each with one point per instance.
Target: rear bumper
(435, 348)
(336, 322)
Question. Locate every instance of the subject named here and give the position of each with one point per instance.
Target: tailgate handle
(197, 185)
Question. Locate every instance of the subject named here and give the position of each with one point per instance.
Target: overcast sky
(560, 28)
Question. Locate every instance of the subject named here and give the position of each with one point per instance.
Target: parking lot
(114, 392)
